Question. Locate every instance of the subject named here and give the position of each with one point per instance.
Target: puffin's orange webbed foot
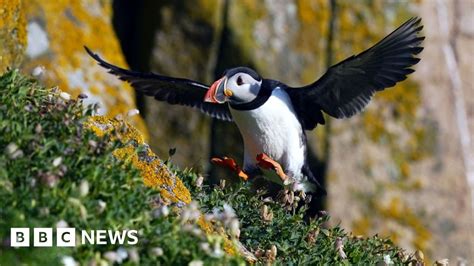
(230, 164)
(265, 162)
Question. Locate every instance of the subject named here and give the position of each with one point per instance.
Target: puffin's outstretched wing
(347, 87)
(168, 89)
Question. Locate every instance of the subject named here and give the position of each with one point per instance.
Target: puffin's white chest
(273, 129)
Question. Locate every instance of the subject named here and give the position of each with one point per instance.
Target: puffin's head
(238, 85)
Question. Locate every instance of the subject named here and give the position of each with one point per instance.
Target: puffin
(272, 116)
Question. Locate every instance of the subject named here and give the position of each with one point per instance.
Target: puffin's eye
(239, 80)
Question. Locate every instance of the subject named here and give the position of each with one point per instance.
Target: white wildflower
(419, 256)
(101, 205)
(165, 211)
(228, 218)
(196, 263)
(162, 211)
(267, 215)
(157, 252)
(199, 181)
(133, 254)
(228, 210)
(17, 154)
(222, 183)
(122, 254)
(217, 252)
(92, 143)
(65, 96)
(32, 182)
(44, 211)
(205, 247)
(443, 262)
(340, 248)
(111, 256)
(209, 217)
(273, 250)
(84, 188)
(267, 199)
(38, 71)
(190, 212)
(196, 231)
(387, 260)
(68, 261)
(57, 161)
(62, 224)
(234, 228)
(133, 112)
(38, 129)
(13, 151)
(271, 254)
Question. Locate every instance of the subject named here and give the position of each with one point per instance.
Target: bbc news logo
(66, 237)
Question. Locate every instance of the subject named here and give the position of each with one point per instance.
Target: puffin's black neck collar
(262, 96)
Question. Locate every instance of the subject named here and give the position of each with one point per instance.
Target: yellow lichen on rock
(153, 171)
(12, 33)
(58, 30)
(398, 211)
(207, 227)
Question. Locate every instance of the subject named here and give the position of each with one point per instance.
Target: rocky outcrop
(154, 172)
(446, 190)
(57, 32)
(12, 33)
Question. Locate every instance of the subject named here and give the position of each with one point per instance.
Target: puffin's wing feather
(168, 89)
(347, 87)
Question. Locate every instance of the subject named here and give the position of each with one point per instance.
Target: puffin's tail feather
(320, 190)
(318, 199)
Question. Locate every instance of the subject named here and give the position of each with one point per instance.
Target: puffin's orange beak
(215, 94)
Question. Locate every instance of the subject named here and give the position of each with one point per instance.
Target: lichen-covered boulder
(152, 169)
(12, 33)
(57, 32)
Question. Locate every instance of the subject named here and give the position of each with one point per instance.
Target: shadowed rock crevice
(134, 25)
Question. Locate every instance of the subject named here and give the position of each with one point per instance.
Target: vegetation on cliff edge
(56, 173)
